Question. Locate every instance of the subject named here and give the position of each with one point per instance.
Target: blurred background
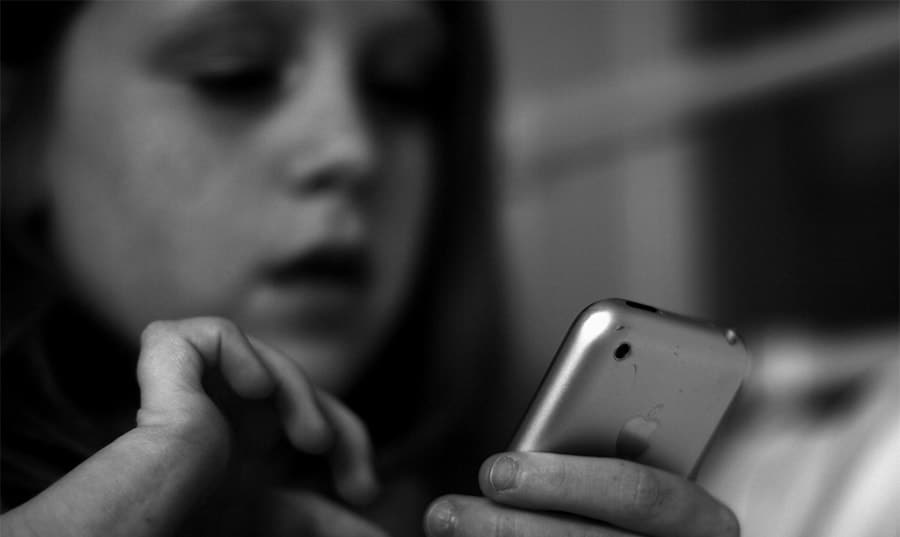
(736, 161)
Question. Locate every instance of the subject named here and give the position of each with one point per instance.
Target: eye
(405, 96)
(399, 76)
(243, 83)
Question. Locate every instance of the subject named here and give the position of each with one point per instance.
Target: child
(278, 216)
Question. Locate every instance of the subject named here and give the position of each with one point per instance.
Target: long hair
(433, 371)
(450, 344)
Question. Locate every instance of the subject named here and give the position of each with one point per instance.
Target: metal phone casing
(659, 404)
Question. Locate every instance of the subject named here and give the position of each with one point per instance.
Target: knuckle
(645, 492)
(164, 347)
(227, 327)
(211, 334)
(159, 340)
(218, 327)
(505, 524)
(558, 477)
(154, 330)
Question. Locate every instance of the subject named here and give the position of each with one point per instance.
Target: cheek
(145, 210)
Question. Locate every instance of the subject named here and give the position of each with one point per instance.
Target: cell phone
(636, 382)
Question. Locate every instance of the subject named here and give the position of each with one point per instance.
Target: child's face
(266, 162)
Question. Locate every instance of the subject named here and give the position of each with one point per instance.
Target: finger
(305, 513)
(621, 493)
(464, 516)
(174, 356)
(306, 425)
(351, 460)
(181, 350)
(239, 362)
(167, 365)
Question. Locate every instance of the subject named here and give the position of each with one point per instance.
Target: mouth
(325, 267)
(320, 291)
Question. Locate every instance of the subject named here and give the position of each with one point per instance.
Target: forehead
(155, 16)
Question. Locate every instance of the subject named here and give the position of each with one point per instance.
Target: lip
(329, 266)
(320, 289)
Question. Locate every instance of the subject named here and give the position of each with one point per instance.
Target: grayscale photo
(450, 268)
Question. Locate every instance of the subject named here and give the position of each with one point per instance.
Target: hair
(444, 348)
(32, 30)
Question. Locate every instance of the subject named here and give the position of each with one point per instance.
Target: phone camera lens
(731, 337)
(622, 351)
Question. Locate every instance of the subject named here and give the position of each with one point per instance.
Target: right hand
(234, 419)
(204, 424)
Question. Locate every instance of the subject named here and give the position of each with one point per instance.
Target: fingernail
(441, 520)
(503, 473)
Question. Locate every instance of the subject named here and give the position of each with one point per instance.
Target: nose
(326, 139)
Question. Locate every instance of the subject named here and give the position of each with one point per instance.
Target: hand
(538, 494)
(232, 415)
(153, 479)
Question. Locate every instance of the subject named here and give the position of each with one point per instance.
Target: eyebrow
(198, 12)
(195, 22)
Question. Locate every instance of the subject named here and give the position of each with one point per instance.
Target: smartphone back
(635, 382)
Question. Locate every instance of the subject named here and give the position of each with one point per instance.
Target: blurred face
(265, 162)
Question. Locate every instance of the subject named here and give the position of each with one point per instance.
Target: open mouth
(323, 290)
(328, 267)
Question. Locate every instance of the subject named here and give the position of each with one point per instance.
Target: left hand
(540, 494)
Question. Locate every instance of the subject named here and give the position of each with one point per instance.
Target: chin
(330, 363)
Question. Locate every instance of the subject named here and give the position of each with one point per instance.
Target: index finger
(625, 494)
(348, 441)
(305, 423)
